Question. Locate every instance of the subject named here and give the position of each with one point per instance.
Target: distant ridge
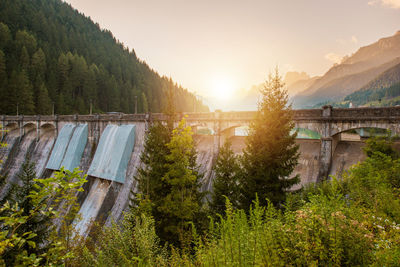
(384, 87)
(352, 73)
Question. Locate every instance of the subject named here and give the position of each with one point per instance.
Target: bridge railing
(366, 112)
(301, 114)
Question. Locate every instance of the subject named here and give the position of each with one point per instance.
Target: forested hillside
(384, 89)
(50, 53)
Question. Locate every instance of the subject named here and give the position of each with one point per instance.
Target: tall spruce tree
(151, 187)
(36, 223)
(226, 182)
(182, 204)
(43, 100)
(271, 152)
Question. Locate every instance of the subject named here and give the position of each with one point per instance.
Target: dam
(107, 147)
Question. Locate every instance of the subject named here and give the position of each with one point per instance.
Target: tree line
(362, 97)
(51, 55)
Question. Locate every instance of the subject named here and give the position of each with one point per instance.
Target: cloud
(373, 2)
(391, 3)
(335, 58)
(353, 40)
(388, 3)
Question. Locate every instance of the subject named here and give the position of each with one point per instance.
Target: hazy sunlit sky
(205, 44)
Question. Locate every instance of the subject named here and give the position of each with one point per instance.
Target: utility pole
(90, 112)
(52, 112)
(17, 109)
(194, 101)
(135, 104)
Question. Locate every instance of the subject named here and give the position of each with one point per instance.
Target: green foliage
(126, 244)
(41, 203)
(37, 223)
(145, 103)
(271, 152)
(43, 101)
(77, 62)
(152, 189)
(226, 181)
(383, 144)
(182, 204)
(351, 222)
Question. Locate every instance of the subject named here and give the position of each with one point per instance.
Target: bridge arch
(342, 127)
(47, 128)
(310, 126)
(10, 126)
(29, 126)
(304, 133)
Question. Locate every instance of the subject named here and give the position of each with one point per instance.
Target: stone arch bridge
(328, 122)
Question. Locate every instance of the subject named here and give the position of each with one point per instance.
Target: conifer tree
(38, 64)
(24, 59)
(152, 189)
(271, 152)
(5, 35)
(3, 82)
(43, 101)
(182, 204)
(37, 223)
(226, 181)
(145, 103)
(24, 91)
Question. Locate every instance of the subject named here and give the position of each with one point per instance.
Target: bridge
(327, 122)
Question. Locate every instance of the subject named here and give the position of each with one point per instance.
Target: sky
(215, 47)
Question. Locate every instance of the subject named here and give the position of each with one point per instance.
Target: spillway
(60, 147)
(108, 172)
(10, 138)
(16, 158)
(122, 200)
(113, 153)
(206, 157)
(69, 147)
(42, 150)
(90, 208)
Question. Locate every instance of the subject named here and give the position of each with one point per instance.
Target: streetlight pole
(194, 101)
(135, 104)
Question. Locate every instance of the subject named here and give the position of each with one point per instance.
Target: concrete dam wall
(108, 147)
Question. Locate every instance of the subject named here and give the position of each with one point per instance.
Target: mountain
(50, 54)
(293, 76)
(384, 87)
(301, 85)
(340, 87)
(352, 73)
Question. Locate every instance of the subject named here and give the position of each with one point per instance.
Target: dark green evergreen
(226, 181)
(168, 180)
(77, 62)
(182, 205)
(151, 187)
(38, 224)
(271, 152)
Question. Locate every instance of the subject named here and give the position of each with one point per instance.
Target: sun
(223, 88)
